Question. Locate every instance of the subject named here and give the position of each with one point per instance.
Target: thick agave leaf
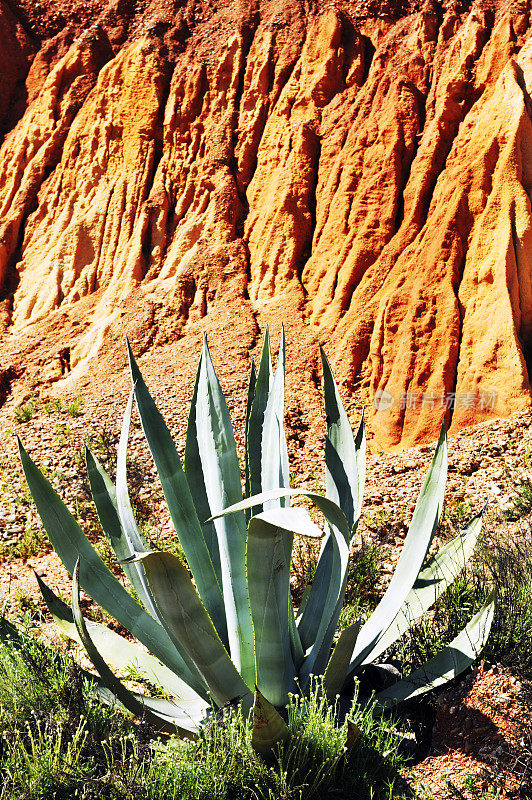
(188, 623)
(345, 475)
(255, 423)
(104, 496)
(329, 571)
(332, 595)
(123, 654)
(332, 513)
(180, 504)
(221, 475)
(267, 455)
(194, 472)
(345, 460)
(447, 664)
(251, 395)
(131, 703)
(338, 665)
(332, 601)
(432, 581)
(275, 473)
(267, 458)
(424, 522)
(345, 457)
(269, 728)
(187, 724)
(131, 540)
(295, 520)
(70, 543)
(269, 592)
(303, 604)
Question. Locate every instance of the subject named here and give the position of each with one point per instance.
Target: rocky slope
(361, 171)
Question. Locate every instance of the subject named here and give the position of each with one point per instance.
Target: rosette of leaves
(222, 628)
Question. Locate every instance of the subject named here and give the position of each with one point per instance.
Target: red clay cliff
(360, 170)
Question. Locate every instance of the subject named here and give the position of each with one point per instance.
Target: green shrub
(26, 411)
(75, 407)
(57, 740)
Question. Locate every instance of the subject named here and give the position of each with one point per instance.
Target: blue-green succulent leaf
(422, 527)
(188, 623)
(221, 474)
(447, 664)
(70, 543)
(179, 499)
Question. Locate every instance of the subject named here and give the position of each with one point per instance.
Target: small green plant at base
(362, 576)
(61, 435)
(97, 614)
(23, 603)
(425, 638)
(102, 443)
(160, 541)
(26, 411)
(23, 497)
(509, 565)
(53, 406)
(57, 740)
(458, 513)
(222, 629)
(305, 557)
(32, 542)
(75, 407)
(386, 523)
(522, 504)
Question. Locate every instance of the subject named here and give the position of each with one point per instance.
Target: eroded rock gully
(361, 171)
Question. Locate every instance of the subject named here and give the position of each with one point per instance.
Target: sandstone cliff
(362, 171)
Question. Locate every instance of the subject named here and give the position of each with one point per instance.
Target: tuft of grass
(57, 741)
(304, 562)
(32, 542)
(75, 407)
(500, 562)
(449, 615)
(53, 406)
(387, 523)
(26, 411)
(455, 518)
(522, 503)
(61, 435)
(51, 727)
(364, 572)
(509, 564)
(158, 540)
(102, 443)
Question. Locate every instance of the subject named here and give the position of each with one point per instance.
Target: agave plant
(229, 633)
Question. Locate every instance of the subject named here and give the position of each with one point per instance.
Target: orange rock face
(363, 173)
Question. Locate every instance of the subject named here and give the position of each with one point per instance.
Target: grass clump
(500, 562)
(521, 503)
(32, 542)
(26, 411)
(57, 740)
(53, 406)
(509, 563)
(425, 638)
(75, 406)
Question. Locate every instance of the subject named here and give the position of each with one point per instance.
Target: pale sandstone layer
(362, 174)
